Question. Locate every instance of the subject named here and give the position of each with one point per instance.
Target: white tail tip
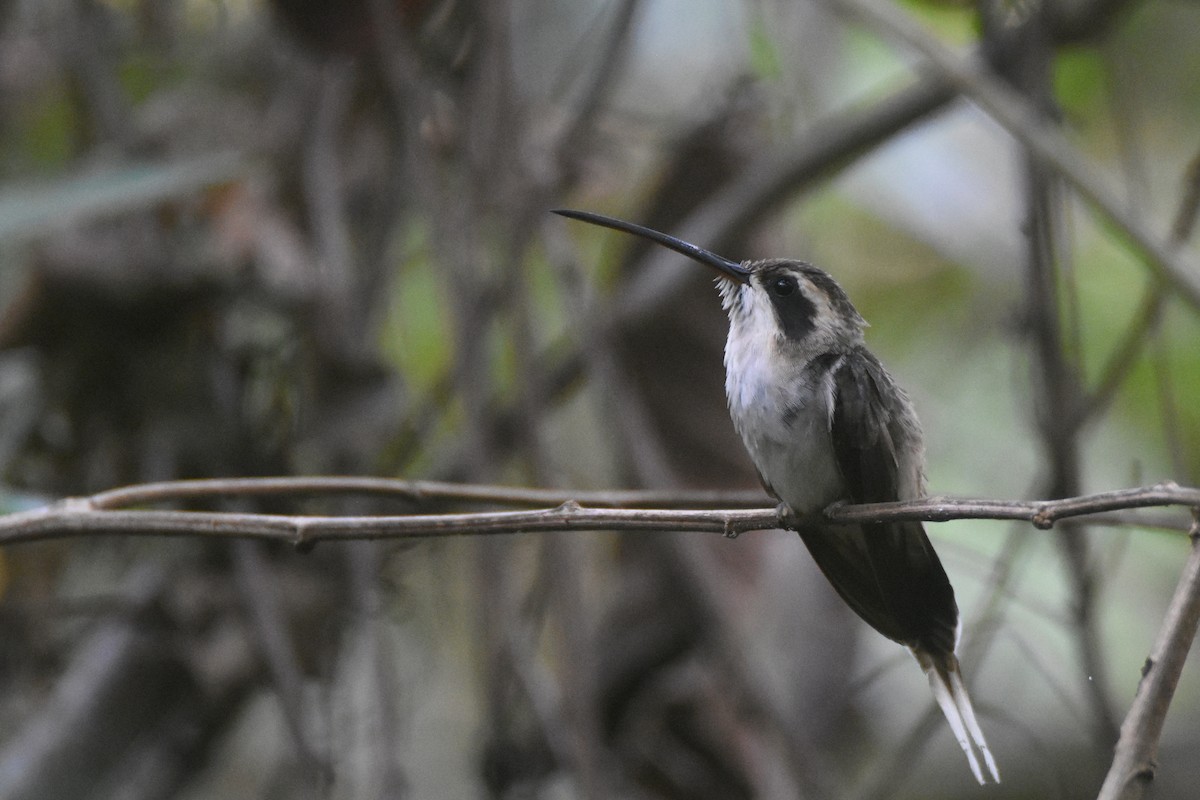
(951, 696)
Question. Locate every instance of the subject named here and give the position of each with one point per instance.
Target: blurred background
(309, 237)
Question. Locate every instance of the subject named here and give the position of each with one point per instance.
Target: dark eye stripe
(795, 314)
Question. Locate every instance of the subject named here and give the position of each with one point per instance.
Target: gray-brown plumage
(824, 422)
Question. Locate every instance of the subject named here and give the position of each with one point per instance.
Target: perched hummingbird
(824, 422)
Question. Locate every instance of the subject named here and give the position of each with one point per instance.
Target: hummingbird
(824, 423)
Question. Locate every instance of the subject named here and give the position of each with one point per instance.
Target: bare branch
(1040, 513)
(1133, 765)
(96, 516)
(418, 492)
(75, 518)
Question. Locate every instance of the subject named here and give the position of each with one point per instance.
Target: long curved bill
(730, 270)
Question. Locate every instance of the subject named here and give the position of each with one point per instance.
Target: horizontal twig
(1040, 513)
(102, 515)
(75, 518)
(418, 492)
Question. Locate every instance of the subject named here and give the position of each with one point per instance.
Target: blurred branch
(1189, 207)
(1134, 764)
(1021, 119)
(81, 517)
(742, 672)
(1146, 321)
(323, 192)
(600, 84)
(92, 58)
(1126, 355)
(115, 685)
(387, 725)
(1050, 293)
(268, 621)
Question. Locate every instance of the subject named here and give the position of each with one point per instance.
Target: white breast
(784, 421)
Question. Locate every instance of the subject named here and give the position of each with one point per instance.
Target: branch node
(301, 542)
(569, 507)
(1043, 519)
(1146, 667)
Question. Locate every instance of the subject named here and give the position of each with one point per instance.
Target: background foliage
(299, 237)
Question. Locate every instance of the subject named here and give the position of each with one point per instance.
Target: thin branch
(1050, 291)
(1041, 514)
(418, 492)
(1134, 765)
(75, 518)
(78, 517)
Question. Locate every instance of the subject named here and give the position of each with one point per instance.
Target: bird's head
(791, 301)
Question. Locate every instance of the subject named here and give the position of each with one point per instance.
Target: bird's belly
(794, 454)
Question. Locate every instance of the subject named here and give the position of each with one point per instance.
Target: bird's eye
(783, 286)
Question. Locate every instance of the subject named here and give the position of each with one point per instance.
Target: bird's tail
(946, 681)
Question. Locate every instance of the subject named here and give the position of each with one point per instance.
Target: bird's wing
(887, 572)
